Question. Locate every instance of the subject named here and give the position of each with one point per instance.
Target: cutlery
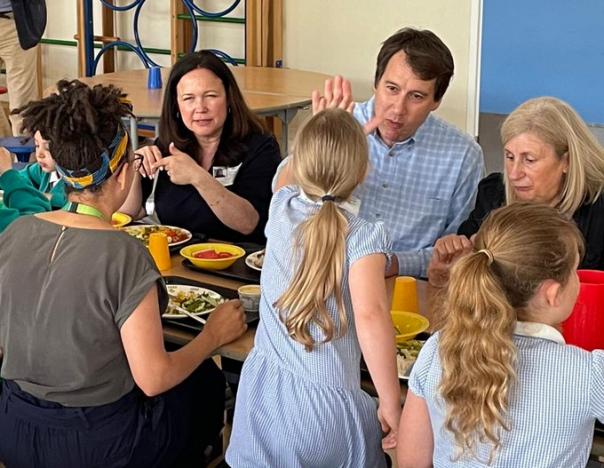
(188, 314)
(150, 203)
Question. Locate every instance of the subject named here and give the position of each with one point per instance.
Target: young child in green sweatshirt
(34, 189)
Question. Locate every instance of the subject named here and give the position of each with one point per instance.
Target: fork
(187, 313)
(150, 203)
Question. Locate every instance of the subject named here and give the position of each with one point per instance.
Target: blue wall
(536, 48)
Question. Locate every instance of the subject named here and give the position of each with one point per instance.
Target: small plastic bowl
(212, 263)
(408, 324)
(249, 295)
(120, 219)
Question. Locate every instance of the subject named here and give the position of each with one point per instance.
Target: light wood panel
(265, 89)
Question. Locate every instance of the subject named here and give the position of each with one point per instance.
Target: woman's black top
(183, 206)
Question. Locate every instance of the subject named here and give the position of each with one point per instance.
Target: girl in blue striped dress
(497, 386)
(323, 303)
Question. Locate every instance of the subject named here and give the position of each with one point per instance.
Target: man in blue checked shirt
(424, 172)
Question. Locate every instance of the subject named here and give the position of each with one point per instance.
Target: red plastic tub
(585, 326)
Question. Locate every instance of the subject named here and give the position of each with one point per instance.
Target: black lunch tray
(238, 271)
(192, 325)
(197, 238)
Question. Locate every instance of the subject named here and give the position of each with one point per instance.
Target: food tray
(192, 325)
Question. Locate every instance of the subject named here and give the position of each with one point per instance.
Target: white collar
(54, 177)
(539, 330)
(352, 205)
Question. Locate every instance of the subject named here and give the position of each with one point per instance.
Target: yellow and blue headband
(111, 159)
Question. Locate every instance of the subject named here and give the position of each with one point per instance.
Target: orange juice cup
(404, 296)
(158, 247)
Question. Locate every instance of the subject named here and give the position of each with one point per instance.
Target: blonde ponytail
(319, 276)
(518, 247)
(477, 354)
(329, 157)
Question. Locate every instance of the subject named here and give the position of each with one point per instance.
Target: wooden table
(240, 348)
(269, 92)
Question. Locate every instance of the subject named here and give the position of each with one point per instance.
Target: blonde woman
(323, 304)
(497, 385)
(551, 157)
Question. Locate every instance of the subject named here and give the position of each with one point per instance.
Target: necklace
(81, 208)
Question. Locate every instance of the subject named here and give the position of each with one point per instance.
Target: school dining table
(240, 348)
(270, 92)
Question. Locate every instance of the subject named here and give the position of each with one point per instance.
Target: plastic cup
(158, 247)
(404, 295)
(584, 327)
(154, 78)
(249, 295)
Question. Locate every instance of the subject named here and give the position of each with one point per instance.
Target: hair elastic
(489, 255)
(328, 197)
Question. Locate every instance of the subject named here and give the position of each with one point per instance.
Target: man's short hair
(427, 55)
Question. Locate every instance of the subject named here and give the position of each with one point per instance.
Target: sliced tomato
(211, 254)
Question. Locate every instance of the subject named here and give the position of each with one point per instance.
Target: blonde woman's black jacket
(589, 219)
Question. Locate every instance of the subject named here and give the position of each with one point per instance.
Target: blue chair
(21, 146)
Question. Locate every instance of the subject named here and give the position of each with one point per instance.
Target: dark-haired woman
(214, 160)
(87, 380)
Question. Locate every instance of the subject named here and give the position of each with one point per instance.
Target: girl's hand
(389, 419)
(337, 94)
(151, 155)
(446, 251)
(180, 167)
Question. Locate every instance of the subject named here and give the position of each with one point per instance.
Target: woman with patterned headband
(86, 378)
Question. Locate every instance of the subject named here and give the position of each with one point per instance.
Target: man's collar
(538, 330)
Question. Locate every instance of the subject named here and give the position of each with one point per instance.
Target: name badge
(225, 175)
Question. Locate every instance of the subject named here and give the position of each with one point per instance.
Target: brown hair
(78, 121)
(517, 248)
(240, 122)
(329, 157)
(426, 54)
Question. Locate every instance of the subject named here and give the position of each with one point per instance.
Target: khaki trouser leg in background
(5, 129)
(21, 70)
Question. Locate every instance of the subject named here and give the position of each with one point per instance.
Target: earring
(229, 110)
(177, 115)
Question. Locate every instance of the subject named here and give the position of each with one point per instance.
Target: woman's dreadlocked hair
(79, 122)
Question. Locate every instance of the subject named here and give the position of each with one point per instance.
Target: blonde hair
(557, 123)
(518, 247)
(329, 158)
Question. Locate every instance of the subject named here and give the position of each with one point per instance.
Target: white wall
(344, 37)
(329, 36)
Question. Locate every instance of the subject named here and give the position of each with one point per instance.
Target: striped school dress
(296, 408)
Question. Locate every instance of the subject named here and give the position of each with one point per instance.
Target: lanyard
(81, 208)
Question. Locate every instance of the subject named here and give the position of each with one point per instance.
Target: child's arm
(376, 334)
(33, 174)
(415, 439)
(20, 199)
